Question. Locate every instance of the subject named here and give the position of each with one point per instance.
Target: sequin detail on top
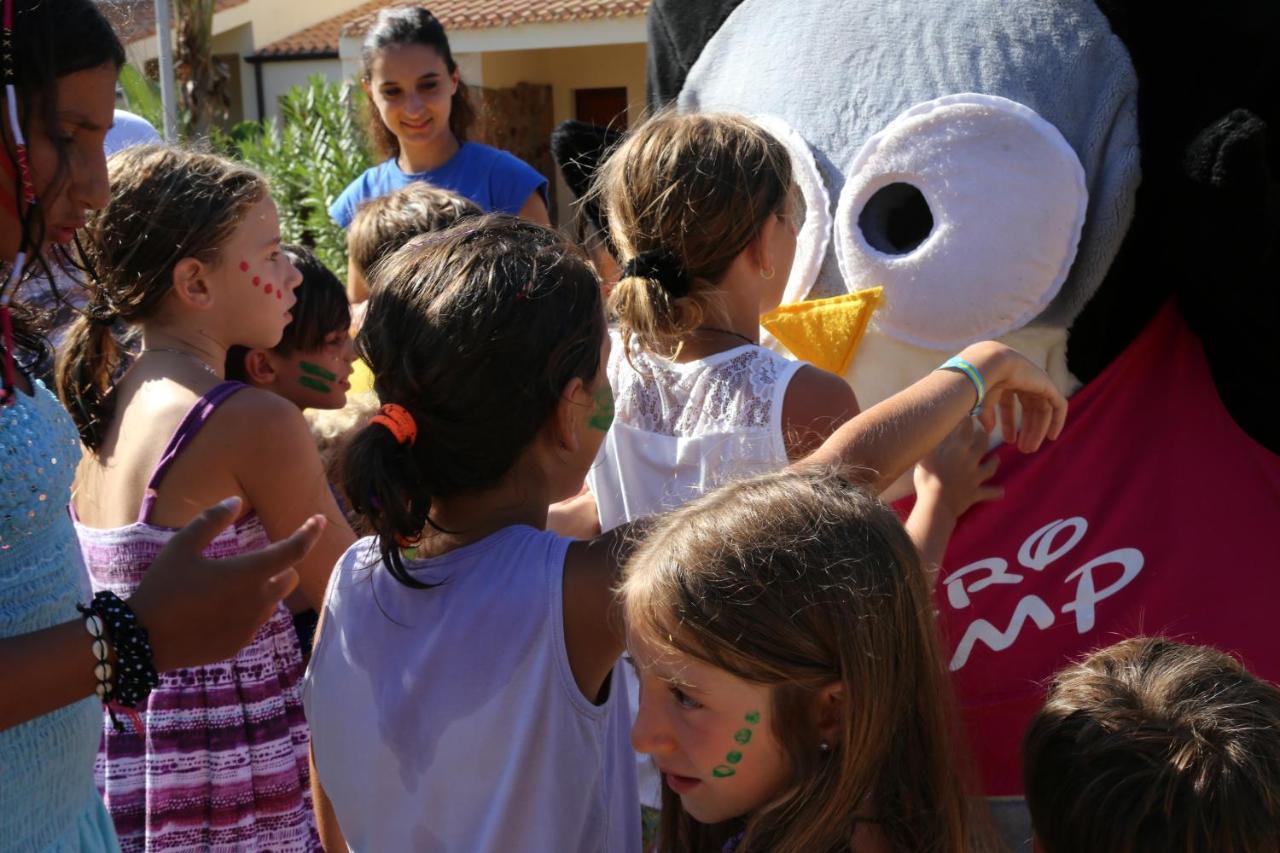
(47, 797)
(223, 763)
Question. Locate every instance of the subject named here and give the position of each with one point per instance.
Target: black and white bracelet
(102, 669)
(135, 673)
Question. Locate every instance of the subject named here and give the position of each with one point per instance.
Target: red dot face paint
(267, 288)
(256, 281)
(279, 294)
(244, 266)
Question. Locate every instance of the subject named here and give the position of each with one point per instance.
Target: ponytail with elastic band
(662, 266)
(398, 421)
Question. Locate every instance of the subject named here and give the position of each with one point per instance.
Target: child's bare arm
(948, 482)
(885, 440)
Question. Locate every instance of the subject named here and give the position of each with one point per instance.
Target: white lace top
(682, 429)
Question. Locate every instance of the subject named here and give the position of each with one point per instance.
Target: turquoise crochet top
(48, 799)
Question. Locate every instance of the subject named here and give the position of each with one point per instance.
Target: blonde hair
(798, 580)
(1151, 745)
(684, 195)
(387, 222)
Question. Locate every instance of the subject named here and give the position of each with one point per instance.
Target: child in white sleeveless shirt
(460, 694)
(702, 207)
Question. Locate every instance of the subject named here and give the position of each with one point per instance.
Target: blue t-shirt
(497, 181)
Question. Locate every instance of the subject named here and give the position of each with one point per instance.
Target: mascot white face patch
(967, 209)
(839, 72)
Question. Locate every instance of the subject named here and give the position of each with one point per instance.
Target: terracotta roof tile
(454, 15)
(136, 19)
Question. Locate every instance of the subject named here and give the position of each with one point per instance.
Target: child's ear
(260, 368)
(829, 713)
(759, 249)
(189, 284)
(574, 403)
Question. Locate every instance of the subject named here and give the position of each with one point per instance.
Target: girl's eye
(683, 699)
(390, 93)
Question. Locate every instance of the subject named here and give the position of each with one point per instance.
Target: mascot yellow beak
(825, 332)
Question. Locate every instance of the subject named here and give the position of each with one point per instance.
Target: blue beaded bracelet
(979, 384)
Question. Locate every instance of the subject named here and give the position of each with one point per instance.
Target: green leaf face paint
(601, 417)
(742, 737)
(315, 377)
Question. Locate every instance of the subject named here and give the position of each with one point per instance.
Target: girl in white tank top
(704, 210)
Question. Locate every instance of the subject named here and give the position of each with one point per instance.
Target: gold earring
(767, 274)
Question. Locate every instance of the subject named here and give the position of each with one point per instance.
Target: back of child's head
(384, 224)
(800, 580)
(474, 330)
(321, 310)
(684, 195)
(166, 204)
(1151, 746)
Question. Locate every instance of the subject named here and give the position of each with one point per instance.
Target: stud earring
(823, 746)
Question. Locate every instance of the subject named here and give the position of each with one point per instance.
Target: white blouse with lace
(681, 429)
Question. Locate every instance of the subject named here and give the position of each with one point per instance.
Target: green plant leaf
(142, 96)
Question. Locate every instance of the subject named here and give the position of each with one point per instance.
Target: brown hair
(50, 41)
(166, 204)
(398, 26)
(696, 189)
(798, 580)
(1152, 745)
(384, 224)
(474, 330)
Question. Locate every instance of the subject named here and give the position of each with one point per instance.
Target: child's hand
(954, 476)
(1010, 377)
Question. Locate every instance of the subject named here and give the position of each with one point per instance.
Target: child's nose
(349, 349)
(650, 733)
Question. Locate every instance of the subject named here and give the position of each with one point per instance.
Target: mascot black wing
(1098, 192)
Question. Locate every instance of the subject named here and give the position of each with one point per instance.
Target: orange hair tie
(398, 421)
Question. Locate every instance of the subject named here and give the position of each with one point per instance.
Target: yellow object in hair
(824, 332)
(361, 378)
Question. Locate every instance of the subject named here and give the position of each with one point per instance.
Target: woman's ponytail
(89, 358)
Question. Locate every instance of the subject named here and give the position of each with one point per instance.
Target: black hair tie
(661, 266)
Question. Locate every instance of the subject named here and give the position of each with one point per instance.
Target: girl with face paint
(60, 62)
(793, 692)
(187, 253)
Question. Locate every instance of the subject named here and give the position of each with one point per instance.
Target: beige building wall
(280, 77)
(566, 70)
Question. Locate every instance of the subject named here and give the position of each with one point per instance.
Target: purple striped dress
(222, 761)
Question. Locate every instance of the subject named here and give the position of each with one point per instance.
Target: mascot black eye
(968, 210)
(896, 219)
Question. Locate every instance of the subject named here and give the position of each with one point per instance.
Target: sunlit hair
(166, 204)
(475, 330)
(384, 224)
(411, 25)
(1151, 746)
(797, 581)
(699, 187)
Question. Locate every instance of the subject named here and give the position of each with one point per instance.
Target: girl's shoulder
(510, 180)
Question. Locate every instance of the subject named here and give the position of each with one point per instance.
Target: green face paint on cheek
(742, 737)
(309, 378)
(602, 414)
